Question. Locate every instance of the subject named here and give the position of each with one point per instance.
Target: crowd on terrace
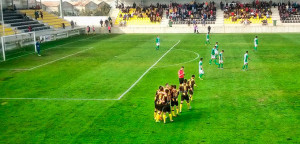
(245, 11)
(289, 9)
(189, 11)
(154, 12)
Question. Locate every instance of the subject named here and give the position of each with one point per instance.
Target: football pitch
(101, 88)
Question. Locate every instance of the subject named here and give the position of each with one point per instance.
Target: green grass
(230, 106)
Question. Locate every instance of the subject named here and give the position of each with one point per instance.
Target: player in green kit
(221, 59)
(201, 71)
(157, 43)
(255, 43)
(216, 53)
(246, 58)
(207, 39)
(213, 55)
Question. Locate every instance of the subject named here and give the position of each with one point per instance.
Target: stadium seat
(48, 18)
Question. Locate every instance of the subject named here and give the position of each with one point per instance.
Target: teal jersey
(200, 65)
(221, 56)
(256, 41)
(207, 36)
(213, 51)
(246, 57)
(157, 40)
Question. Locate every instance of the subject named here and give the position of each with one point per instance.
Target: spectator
(208, 28)
(134, 5)
(72, 24)
(101, 23)
(106, 23)
(109, 29)
(29, 28)
(63, 25)
(41, 13)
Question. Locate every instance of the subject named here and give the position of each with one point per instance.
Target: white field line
(48, 48)
(28, 69)
(101, 99)
(147, 71)
(182, 62)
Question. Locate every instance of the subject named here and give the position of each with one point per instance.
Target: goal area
(17, 45)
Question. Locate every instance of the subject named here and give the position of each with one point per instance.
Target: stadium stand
(289, 13)
(48, 18)
(140, 16)
(192, 13)
(259, 12)
(17, 23)
(7, 31)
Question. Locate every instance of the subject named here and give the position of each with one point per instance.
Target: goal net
(17, 45)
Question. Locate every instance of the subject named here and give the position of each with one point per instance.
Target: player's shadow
(190, 115)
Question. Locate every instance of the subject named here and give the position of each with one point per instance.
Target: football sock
(246, 67)
(177, 111)
(210, 61)
(221, 65)
(201, 75)
(170, 117)
(180, 107)
(164, 116)
(191, 97)
(155, 114)
(243, 66)
(157, 118)
(188, 104)
(173, 113)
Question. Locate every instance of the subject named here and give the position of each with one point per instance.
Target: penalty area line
(147, 71)
(28, 69)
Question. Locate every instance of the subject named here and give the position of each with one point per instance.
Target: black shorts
(159, 107)
(174, 103)
(185, 97)
(181, 80)
(166, 108)
(191, 92)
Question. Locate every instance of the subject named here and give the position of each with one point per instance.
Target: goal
(18, 45)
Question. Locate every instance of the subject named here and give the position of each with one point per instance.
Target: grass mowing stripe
(147, 71)
(63, 99)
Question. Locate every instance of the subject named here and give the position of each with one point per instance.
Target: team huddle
(167, 97)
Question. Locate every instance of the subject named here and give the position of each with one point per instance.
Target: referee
(181, 75)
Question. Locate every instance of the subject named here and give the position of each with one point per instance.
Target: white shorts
(245, 63)
(220, 61)
(157, 44)
(216, 52)
(207, 39)
(213, 56)
(255, 45)
(201, 71)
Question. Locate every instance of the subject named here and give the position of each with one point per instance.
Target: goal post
(18, 44)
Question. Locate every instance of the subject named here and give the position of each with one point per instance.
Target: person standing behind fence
(41, 13)
(101, 23)
(109, 29)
